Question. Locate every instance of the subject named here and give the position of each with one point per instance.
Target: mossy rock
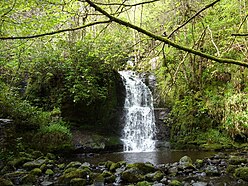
(199, 163)
(19, 161)
(36, 171)
(5, 182)
(143, 183)
(28, 179)
(78, 182)
(114, 166)
(132, 175)
(50, 156)
(49, 172)
(236, 160)
(74, 164)
(37, 154)
(78, 173)
(110, 179)
(61, 166)
(34, 164)
(156, 176)
(143, 167)
(108, 164)
(106, 174)
(231, 168)
(175, 183)
(242, 173)
(186, 162)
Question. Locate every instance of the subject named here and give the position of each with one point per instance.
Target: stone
(34, 164)
(78, 173)
(46, 183)
(19, 161)
(144, 183)
(156, 176)
(212, 170)
(143, 167)
(185, 162)
(49, 172)
(175, 183)
(5, 182)
(236, 160)
(200, 184)
(28, 179)
(114, 166)
(78, 182)
(132, 175)
(74, 164)
(241, 173)
(36, 171)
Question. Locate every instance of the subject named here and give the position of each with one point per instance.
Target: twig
(196, 14)
(166, 40)
(55, 32)
(212, 40)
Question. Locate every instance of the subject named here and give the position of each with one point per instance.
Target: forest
(59, 81)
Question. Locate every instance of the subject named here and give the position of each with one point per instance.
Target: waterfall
(139, 128)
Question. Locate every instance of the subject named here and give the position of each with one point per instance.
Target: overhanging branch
(54, 32)
(166, 40)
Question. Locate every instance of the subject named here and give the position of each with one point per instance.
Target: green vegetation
(59, 63)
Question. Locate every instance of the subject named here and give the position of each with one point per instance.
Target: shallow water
(155, 157)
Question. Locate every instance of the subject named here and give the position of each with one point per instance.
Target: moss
(144, 183)
(236, 160)
(242, 173)
(77, 182)
(36, 171)
(143, 167)
(114, 166)
(49, 172)
(132, 175)
(76, 173)
(5, 182)
(28, 179)
(175, 183)
(231, 168)
(19, 161)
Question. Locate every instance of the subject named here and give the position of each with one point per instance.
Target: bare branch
(196, 14)
(123, 4)
(166, 40)
(55, 32)
(240, 34)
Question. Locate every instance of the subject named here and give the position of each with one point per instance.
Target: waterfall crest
(139, 128)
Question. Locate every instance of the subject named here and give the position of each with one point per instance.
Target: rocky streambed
(221, 169)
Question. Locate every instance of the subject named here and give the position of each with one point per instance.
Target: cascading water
(139, 129)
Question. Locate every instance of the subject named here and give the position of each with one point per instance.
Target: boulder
(241, 173)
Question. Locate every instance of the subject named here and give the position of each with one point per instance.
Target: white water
(139, 129)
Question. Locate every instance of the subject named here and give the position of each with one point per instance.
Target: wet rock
(175, 183)
(19, 161)
(36, 171)
(49, 172)
(132, 175)
(46, 183)
(5, 182)
(236, 160)
(200, 184)
(78, 182)
(199, 163)
(68, 176)
(156, 176)
(242, 173)
(74, 164)
(144, 183)
(143, 167)
(28, 179)
(114, 166)
(185, 161)
(34, 164)
(212, 170)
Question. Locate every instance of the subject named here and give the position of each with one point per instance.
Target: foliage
(235, 120)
